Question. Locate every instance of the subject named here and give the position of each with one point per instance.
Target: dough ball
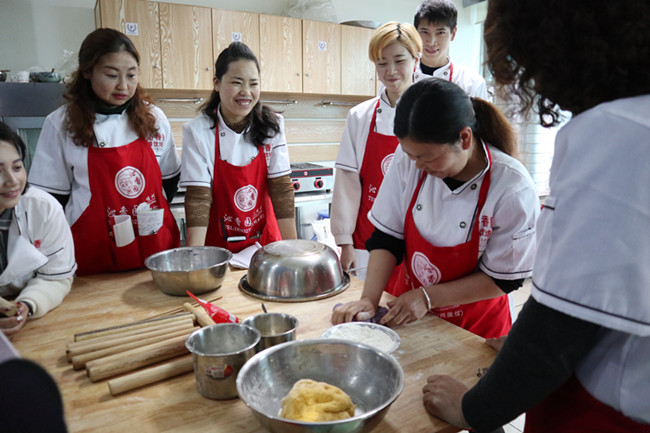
(313, 401)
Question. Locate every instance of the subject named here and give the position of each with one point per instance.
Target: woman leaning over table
(368, 142)
(460, 210)
(36, 249)
(236, 162)
(577, 358)
(106, 152)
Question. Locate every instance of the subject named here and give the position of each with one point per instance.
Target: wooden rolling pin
(129, 327)
(10, 306)
(85, 346)
(130, 360)
(150, 375)
(201, 316)
(80, 361)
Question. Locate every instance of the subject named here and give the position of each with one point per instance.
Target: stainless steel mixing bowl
(294, 270)
(197, 269)
(373, 379)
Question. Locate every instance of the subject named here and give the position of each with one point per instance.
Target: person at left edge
(236, 162)
(105, 152)
(36, 250)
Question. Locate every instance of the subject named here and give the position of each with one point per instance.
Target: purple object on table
(381, 312)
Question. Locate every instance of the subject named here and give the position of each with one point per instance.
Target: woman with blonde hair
(368, 142)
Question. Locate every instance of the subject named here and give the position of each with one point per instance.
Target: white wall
(42, 34)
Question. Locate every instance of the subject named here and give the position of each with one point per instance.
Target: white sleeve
(348, 157)
(510, 251)
(197, 166)
(346, 200)
(170, 162)
(44, 295)
(50, 170)
(479, 89)
(278, 163)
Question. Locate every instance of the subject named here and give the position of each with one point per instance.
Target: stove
(309, 178)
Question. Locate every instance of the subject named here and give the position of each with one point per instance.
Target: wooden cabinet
(231, 26)
(357, 71)
(139, 20)
(321, 57)
(281, 54)
(186, 46)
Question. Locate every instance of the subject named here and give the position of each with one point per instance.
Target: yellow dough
(313, 401)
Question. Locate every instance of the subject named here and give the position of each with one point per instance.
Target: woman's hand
(443, 398)
(11, 325)
(347, 312)
(348, 257)
(496, 343)
(409, 307)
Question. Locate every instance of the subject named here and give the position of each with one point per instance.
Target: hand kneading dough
(313, 401)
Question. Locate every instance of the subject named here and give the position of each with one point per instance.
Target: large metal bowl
(197, 269)
(372, 378)
(293, 271)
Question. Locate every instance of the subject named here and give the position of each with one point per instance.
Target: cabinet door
(186, 43)
(138, 19)
(357, 71)
(280, 54)
(321, 57)
(231, 26)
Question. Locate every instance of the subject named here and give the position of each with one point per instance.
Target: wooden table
(428, 346)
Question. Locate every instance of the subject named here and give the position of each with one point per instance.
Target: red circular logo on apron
(425, 271)
(129, 182)
(246, 198)
(386, 162)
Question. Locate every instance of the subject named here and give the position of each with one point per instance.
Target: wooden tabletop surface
(428, 346)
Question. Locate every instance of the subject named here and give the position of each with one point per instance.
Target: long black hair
(436, 110)
(263, 121)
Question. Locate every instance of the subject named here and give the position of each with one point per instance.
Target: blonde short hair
(391, 32)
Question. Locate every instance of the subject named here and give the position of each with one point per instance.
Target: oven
(312, 185)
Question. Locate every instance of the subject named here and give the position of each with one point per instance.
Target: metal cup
(218, 353)
(275, 328)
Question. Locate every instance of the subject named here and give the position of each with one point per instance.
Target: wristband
(426, 295)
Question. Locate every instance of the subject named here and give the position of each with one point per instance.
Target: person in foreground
(457, 207)
(368, 144)
(107, 155)
(36, 250)
(236, 162)
(576, 359)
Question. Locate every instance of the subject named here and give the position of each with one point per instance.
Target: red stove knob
(318, 183)
(296, 185)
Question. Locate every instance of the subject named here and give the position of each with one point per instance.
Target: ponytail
(493, 127)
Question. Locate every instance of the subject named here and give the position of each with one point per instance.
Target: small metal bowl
(372, 378)
(294, 270)
(197, 269)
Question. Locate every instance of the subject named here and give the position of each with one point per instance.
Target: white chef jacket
(593, 259)
(465, 78)
(61, 167)
(445, 217)
(199, 151)
(39, 245)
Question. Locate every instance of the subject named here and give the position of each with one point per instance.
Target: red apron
(428, 264)
(120, 179)
(241, 212)
(379, 153)
(571, 409)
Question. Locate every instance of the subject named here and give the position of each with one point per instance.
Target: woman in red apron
(576, 359)
(104, 155)
(457, 247)
(235, 162)
(368, 143)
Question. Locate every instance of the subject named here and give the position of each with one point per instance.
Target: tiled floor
(519, 297)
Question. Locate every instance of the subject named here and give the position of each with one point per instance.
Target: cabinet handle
(337, 103)
(194, 100)
(298, 73)
(284, 102)
(207, 69)
(155, 66)
(307, 75)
